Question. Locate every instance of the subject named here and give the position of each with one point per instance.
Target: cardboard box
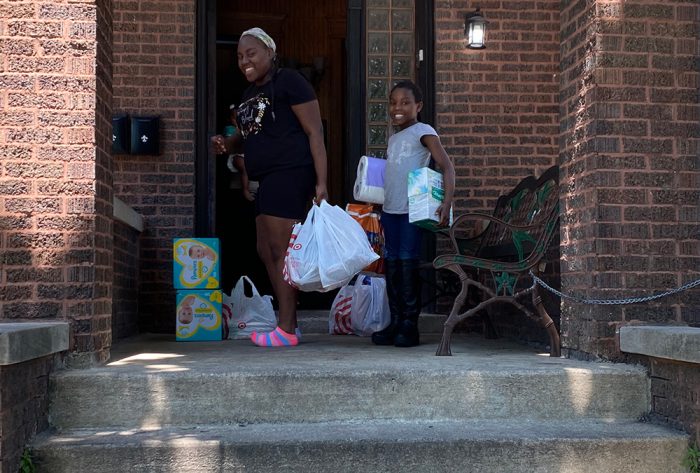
(198, 316)
(196, 263)
(425, 194)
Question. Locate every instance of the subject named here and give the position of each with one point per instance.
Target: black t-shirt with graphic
(272, 144)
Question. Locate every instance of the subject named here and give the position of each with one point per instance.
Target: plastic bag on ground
(247, 314)
(339, 319)
(361, 307)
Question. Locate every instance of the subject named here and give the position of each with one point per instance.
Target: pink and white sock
(276, 338)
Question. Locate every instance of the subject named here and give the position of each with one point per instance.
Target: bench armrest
(461, 245)
(505, 242)
(473, 243)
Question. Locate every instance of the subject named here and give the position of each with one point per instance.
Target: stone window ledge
(671, 342)
(24, 341)
(126, 214)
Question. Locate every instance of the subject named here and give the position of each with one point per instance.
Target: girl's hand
(219, 144)
(443, 213)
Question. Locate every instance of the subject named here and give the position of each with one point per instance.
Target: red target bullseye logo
(296, 246)
(241, 325)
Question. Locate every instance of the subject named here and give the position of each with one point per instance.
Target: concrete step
(316, 322)
(153, 383)
(374, 446)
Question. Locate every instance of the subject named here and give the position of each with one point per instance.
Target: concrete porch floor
(334, 353)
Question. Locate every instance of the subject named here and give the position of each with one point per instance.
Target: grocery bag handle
(254, 290)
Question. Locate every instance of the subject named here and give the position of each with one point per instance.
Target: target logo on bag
(341, 316)
(292, 246)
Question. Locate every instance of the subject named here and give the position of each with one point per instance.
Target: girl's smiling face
(254, 59)
(403, 107)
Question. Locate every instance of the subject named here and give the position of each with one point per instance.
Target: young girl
(410, 148)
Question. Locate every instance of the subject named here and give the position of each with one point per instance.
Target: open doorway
(310, 37)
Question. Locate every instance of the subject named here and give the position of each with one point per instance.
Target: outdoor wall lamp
(475, 30)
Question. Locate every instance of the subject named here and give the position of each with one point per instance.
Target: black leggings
(286, 193)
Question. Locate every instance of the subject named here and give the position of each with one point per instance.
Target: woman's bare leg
(272, 240)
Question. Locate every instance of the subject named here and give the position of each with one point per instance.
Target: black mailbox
(120, 134)
(144, 135)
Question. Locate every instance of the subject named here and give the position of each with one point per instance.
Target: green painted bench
(497, 262)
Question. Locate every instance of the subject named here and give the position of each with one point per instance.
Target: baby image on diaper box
(198, 316)
(196, 263)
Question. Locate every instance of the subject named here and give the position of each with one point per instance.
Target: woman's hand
(321, 193)
(218, 143)
(249, 196)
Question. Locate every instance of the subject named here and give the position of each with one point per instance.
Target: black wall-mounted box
(144, 135)
(120, 134)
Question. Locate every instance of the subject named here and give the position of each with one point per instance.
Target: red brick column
(630, 165)
(55, 168)
(24, 407)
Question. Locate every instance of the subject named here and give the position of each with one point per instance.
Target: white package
(369, 183)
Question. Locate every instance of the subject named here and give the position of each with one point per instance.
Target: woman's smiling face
(254, 59)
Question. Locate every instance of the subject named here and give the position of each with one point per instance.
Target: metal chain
(631, 300)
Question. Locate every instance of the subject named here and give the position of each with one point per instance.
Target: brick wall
(154, 74)
(630, 165)
(24, 393)
(497, 108)
(125, 306)
(55, 169)
(497, 111)
(631, 175)
(675, 395)
(101, 330)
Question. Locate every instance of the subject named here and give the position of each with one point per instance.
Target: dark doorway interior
(310, 36)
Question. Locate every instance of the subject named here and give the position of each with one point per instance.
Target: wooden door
(308, 34)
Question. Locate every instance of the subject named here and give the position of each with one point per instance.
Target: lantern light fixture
(475, 30)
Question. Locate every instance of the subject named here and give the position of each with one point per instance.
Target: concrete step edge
(318, 396)
(484, 447)
(381, 429)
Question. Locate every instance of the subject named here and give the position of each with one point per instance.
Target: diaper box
(425, 194)
(196, 263)
(198, 315)
(425, 181)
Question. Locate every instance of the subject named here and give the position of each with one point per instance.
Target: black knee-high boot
(407, 335)
(392, 270)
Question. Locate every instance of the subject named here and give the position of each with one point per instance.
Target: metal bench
(498, 260)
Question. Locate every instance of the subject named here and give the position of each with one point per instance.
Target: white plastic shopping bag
(292, 240)
(361, 307)
(343, 248)
(301, 261)
(370, 308)
(247, 314)
(339, 319)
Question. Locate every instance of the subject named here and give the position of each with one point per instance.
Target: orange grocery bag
(369, 220)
